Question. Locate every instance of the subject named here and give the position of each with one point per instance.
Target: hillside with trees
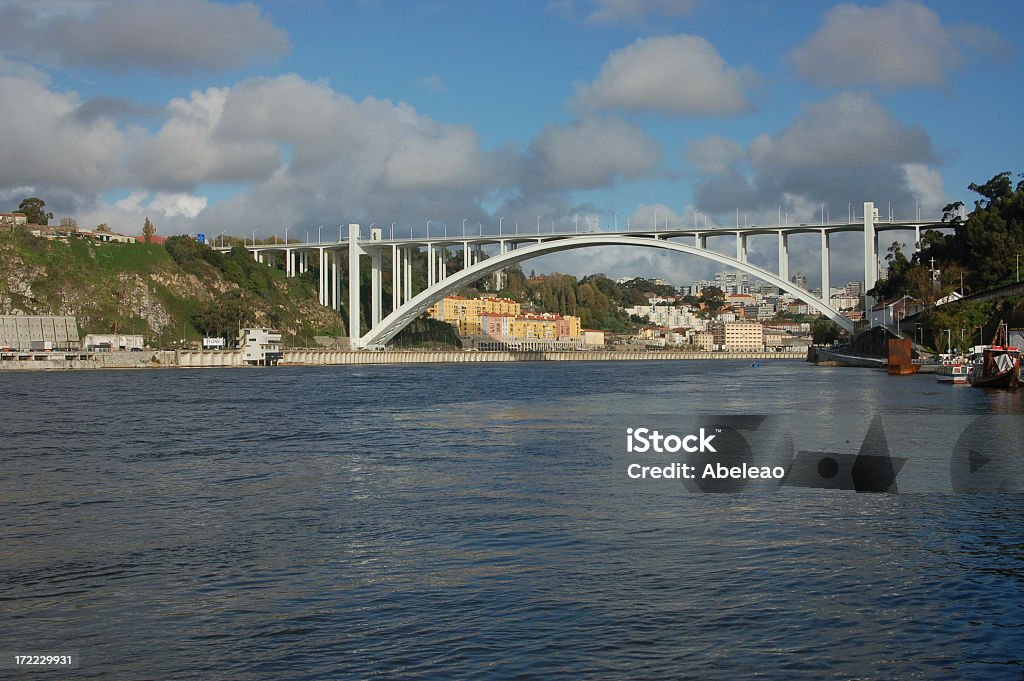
(980, 254)
(165, 293)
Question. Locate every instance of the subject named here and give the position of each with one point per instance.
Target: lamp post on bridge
(501, 219)
(254, 237)
(286, 236)
(464, 221)
(319, 229)
(538, 224)
(393, 231)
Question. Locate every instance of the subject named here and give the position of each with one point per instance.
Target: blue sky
(221, 116)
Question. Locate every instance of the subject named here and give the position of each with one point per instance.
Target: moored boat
(997, 365)
(952, 371)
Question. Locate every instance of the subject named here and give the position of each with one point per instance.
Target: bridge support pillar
(783, 256)
(336, 281)
(355, 249)
(431, 266)
(741, 246)
(323, 277)
(499, 276)
(395, 268)
(826, 284)
(375, 287)
(870, 252)
(407, 289)
(917, 238)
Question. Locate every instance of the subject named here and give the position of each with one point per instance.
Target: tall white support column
(375, 283)
(323, 277)
(336, 281)
(289, 270)
(407, 289)
(917, 238)
(870, 246)
(702, 241)
(431, 265)
(741, 246)
(444, 263)
(783, 256)
(355, 249)
(826, 284)
(499, 276)
(465, 255)
(396, 288)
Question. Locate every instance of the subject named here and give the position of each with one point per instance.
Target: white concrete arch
(398, 319)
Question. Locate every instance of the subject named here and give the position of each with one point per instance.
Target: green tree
(825, 331)
(148, 230)
(986, 242)
(35, 211)
(713, 297)
(224, 315)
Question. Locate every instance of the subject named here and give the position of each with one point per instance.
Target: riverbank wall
(196, 359)
(42, 361)
(314, 357)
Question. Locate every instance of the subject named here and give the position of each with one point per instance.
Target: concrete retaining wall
(95, 360)
(325, 357)
(233, 358)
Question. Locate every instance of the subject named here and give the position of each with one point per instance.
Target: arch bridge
(408, 304)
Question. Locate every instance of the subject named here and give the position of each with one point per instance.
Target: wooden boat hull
(1009, 379)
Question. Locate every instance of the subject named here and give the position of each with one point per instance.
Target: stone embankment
(233, 358)
(35, 361)
(339, 357)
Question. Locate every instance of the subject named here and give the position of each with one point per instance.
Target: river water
(477, 521)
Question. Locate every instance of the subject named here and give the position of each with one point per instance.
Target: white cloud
(189, 148)
(172, 204)
(714, 154)
(45, 145)
(925, 185)
(653, 216)
(897, 45)
(680, 74)
(849, 128)
(847, 148)
(178, 37)
(589, 154)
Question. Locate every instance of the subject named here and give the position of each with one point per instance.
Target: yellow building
(739, 335)
(464, 313)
